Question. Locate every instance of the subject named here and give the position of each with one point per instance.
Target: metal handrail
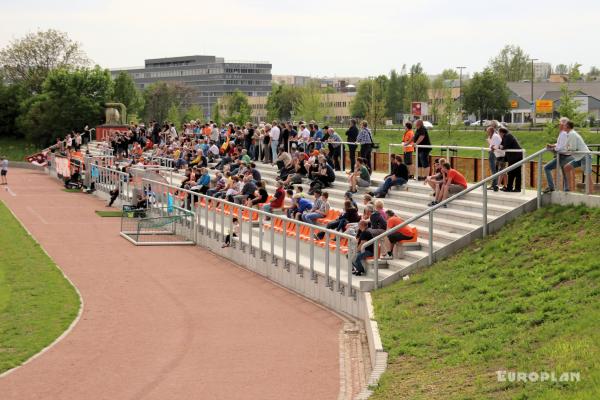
(261, 216)
(433, 208)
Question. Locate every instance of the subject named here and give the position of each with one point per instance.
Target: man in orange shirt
(454, 182)
(404, 233)
(409, 143)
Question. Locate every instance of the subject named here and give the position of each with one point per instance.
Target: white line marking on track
(31, 210)
(13, 194)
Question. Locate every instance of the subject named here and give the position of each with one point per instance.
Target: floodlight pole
(532, 99)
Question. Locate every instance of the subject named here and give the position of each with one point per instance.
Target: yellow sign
(514, 104)
(544, 106)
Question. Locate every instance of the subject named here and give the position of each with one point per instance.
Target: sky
(317, 38)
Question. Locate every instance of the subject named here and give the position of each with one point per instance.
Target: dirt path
(165, 322)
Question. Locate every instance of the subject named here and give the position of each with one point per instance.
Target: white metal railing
(106, 179)
(429, 212)
(253, 235)
(449, 148)
(586, 174)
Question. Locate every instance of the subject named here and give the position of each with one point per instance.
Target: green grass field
(526, 299)
(530, 141)
(37, 304)
(16, 149)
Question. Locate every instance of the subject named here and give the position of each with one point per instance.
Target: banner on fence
(63, 166)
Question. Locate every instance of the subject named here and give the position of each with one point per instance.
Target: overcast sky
(317, 37)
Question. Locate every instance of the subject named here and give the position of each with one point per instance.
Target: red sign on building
(416, 108)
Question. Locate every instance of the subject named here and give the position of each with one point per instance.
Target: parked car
(467, 122)
(427, 124)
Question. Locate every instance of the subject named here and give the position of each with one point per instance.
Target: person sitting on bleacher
(219, 184)
(301, 205)
(203, 183)
(260, 197)
(297, 175)
(277, 200)
(247, 192)
(454, 182)
(401, 234)
(437, 178)
(398, 177)
(283, 160)
(324, 176)
(360, 177)
(350, 215)
(319, 209)
(364, 234)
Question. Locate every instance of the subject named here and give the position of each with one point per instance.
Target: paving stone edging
(378, 356)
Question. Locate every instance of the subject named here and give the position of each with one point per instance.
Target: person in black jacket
(398, 177)
(351, 135)
(509, 142)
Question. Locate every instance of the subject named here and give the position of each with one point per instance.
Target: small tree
(238, 108)
(312, 104)
(174, 116)
(568, 107)
(127, 93)
(194, 112)
(486, 95)
(216, 114)
(376, 108)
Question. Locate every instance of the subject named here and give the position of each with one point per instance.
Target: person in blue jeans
(363, 235)
(398, 177)
(560, 157)
(319, 209)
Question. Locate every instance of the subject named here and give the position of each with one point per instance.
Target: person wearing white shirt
(560, 148)
(579, 158)
(304, 137)
(274, 133)
(494, 141)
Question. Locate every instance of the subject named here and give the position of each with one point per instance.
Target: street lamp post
(460, 100)
(532, 99)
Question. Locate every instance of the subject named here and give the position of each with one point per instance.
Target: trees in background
(11, 97)
(311, 104)
(417, 85)
(238, 108)
(512, 64)
(69, 99)
(127, 93)
(370, 101)
(569, 106)
(282, 101)
(396, 93)
(160, 97)
(486, 95)
(30, 59)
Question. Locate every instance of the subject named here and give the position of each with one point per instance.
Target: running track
(165, 322)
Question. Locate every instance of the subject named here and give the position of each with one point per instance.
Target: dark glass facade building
(211, 77)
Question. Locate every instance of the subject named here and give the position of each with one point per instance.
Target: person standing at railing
(454, 182)
(274, 135)
(494, 141)
(580, 159)
(351, 136)
(509, 142)
(409, 147)
(559, 148)
(365, 139)
(422, 138)
(335, 148)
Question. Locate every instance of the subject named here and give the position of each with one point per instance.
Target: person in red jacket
(278, 199)
(454, 182)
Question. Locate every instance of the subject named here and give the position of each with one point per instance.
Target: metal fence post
(430, 237)
(484, 211)
(539, 182)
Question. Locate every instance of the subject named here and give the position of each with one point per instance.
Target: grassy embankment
(526, 299)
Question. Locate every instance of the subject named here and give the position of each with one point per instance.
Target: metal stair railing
(375, 241)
